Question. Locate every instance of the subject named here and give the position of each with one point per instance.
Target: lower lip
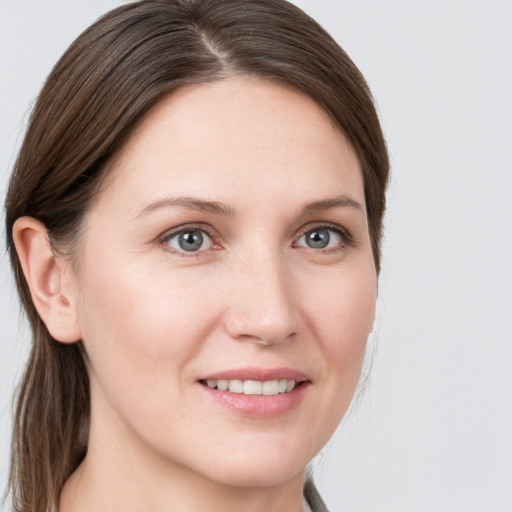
(259, 406)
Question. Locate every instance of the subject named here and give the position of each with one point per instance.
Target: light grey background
(433, 431)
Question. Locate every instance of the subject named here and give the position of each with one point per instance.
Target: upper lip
(258, 374)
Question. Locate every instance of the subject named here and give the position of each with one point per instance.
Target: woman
(194, 223)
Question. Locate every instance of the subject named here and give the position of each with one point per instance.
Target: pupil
(318, 239)
(191, 240)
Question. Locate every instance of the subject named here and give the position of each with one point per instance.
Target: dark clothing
(313, 498)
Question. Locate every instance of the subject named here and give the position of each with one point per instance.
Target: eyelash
(347, 239)
(166, 237)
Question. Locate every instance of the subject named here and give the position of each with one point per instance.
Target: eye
(322, 237)
(189, 240)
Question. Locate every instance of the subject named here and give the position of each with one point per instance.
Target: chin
(261, 464)
(259, 475)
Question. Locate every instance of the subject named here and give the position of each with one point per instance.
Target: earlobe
(47, 280)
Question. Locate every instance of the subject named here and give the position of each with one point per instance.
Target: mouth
(253, 387)
(258, 393)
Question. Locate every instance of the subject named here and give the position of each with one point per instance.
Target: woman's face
(229, 244)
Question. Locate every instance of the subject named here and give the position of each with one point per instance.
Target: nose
(262, 307)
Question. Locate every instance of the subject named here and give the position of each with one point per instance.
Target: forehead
(231, 138)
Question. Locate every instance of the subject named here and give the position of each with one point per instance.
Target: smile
(252, 387)
(256, 392)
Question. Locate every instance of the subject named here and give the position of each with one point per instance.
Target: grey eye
(320, 238)
(191, 240)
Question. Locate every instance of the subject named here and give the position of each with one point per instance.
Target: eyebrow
(217, 208)
(334, 202)
(200, 205)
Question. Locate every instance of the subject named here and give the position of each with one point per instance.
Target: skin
(155, 319)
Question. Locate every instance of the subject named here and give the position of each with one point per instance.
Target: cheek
(342, 316)
(342, 309)
(140, 329)
(352, 312)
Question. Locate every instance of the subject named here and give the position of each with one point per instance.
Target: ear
(48, 278)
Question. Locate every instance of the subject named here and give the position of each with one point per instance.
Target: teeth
(222, 385)
(236, 386)
(270, 387)
(253, 387)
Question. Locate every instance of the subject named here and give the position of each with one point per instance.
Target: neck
(88, 490)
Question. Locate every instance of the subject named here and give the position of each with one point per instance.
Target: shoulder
(313, 498)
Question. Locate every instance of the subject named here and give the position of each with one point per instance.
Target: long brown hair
(91, 102)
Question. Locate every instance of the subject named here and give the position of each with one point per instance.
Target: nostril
(265, 340)
(260, 325)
